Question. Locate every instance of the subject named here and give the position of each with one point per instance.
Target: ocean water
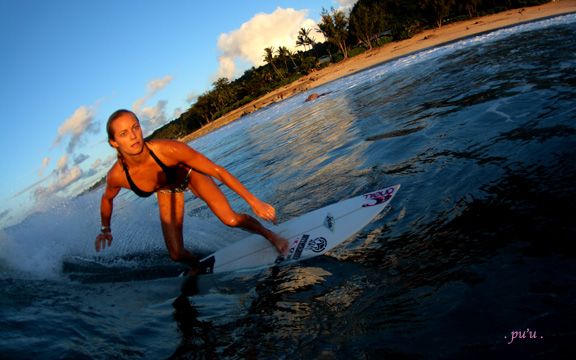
(475, 258)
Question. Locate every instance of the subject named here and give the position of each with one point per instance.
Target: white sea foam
(38, 246)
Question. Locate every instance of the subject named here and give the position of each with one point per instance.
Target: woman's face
(128, 137)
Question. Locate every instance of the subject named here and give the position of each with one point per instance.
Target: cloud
(105, 163)
(227, 67)
(45, 163)
(154, 116)
(96, 164)
(177, 112)
(346, 4)
(192, 97)
(62, 164)
(153, 87)
(30, 187)
(64, 178)
(67, 178)
(58, 184)
(80, 123)
(4, 214)
(159, 84)
(279, 28)
(80, 158)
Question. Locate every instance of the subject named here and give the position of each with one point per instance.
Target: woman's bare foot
(282, 245)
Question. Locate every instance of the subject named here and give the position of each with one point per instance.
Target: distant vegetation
(370, 24)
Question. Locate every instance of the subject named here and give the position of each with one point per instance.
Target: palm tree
(282, 53)
(269, 59)
(291, 56)
(304, 38)
(334, 27)
(300, 41)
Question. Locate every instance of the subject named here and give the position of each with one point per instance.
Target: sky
(66, 65)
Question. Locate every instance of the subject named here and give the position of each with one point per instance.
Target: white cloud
(177, 112)
(45, 163)
(68, 177)
(66, 171)
(153, 116)
(81, 122)
(227, 67)
(110, 160)
(279, 28)
(62, 164)
(80, 158)
(346, 4)
(64, 178)
(96, 164)
(192, 97)
(159, 84)
(153, 87)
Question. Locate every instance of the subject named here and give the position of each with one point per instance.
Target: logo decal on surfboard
(318, 244)
(379, 197)
(300, 247)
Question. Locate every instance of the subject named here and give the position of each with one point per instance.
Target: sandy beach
(390, 51)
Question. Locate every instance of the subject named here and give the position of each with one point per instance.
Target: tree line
(370, 23)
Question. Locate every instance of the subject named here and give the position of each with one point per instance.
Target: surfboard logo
(379, 197)
(318, 244)
(295, 253)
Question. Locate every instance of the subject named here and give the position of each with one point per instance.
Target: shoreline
(391, 51)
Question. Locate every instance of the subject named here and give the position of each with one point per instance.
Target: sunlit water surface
(478, 243)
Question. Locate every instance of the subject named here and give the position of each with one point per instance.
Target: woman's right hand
(264, 211)
(101, 240)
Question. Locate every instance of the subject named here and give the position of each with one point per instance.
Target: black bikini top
(171, 175)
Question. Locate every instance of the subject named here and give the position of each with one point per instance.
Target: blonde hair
(115, 115)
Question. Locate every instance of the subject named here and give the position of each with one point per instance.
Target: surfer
(167, 168)
(315, 96)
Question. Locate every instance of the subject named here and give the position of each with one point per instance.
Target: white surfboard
(310, 235)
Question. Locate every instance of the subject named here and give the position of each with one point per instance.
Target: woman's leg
(171, 206)
(206, 189)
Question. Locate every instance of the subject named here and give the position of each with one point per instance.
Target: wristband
(105, 229)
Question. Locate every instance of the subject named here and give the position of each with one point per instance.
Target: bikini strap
(170, 173)
(133, 187)
(165, 168)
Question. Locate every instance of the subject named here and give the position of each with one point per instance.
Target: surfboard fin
(330, 222)
(207, 265)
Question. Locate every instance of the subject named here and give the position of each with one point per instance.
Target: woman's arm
(201, 163)
(106, 207)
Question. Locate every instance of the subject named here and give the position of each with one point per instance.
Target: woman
(167, 168)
